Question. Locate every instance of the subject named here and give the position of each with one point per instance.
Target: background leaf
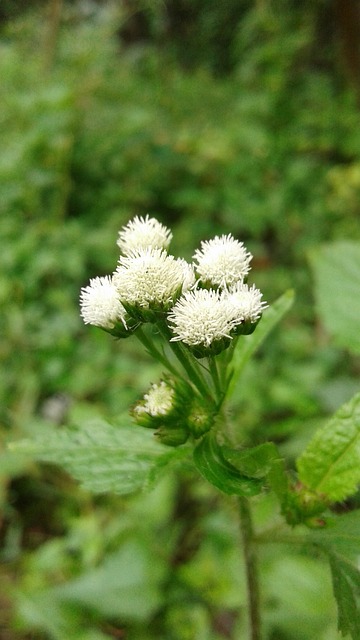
(248, 345)
(341, 534)
(330, 464)
(104, 458)
(336, 269)
(126, 584)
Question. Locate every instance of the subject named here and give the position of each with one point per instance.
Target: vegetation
(107, 114)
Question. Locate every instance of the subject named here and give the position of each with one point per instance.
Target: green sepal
(200, 418)
(210, 462)
(245, 328)
(154, 312)
(120, 331)
(216, 347)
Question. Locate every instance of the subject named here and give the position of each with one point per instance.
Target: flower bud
(172, 436)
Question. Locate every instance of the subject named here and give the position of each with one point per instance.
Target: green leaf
(341, 534)
(211, 463)
(336, 269)
(346, 585)
(255, 462)
(126, 584)
(104, 458)
(248, 345)
(330, 464)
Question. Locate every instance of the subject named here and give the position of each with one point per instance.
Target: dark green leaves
(234, 472)
(102, 457)
(330, 464)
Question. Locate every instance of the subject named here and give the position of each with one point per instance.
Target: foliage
(268, 152)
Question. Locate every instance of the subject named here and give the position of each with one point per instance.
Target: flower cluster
(207, 302)
(198, 308)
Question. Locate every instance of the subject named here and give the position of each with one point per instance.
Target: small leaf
(248, 345)
(255, 462)
(336, 269)
(211, 463)
(330, 464)
(102, 457)
(346, 585)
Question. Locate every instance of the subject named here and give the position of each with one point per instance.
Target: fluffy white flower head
(141, 233)
(189, 278)
(201, 317)
(100, 304)
(149, 279)
(158, 401)
(222, 261)
(246, 303)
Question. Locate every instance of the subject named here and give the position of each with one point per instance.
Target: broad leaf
(104, 458)
(125, 585)
(336, 269)
(211, 463)
(346, 585)
(330, 464)
(248, 345)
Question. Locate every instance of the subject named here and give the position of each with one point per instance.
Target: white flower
(100, 304)
(142, 233)
(246, 303)
(189, 278)
(150, 279)
(201, 317)
(158, 401)
(222, 261)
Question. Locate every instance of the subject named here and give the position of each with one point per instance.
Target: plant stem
(247, 534)
(154, 352)
(216, 379)
(184, 358)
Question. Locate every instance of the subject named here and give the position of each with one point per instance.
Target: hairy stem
(251, 568)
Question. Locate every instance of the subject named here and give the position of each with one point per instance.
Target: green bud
(172, 436)
(200, 419)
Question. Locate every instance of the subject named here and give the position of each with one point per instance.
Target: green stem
(247, 534)
(184, 358)
(154, 352)
(216, 379)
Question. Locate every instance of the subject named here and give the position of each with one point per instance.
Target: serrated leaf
(330, 464)
(336, 268)
(254, 462)
(248, 345)
(104, 458)
(210, 462)
(346, 585)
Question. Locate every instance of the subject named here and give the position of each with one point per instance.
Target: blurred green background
(216, 117)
